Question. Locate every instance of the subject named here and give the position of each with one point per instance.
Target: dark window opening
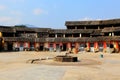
(70, 27)
(92, 45)
(106, 34)
(8, 34)
(51, 35)
(117, 33)
(111, 46)
(86, 35)
(76, 35)
(59, 35)
(64, 47)
(42, 34)
(68, 35)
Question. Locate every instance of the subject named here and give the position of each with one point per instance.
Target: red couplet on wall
(77, 45)
(116, 45)
(104, 45)
(27, 45)
(48, 45)
(88, 44)
(16, 44)
(54, 45)
(68, 45)
(37, 45)
(61, 44)
(96, 45)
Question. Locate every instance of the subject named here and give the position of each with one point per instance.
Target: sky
(54, 13)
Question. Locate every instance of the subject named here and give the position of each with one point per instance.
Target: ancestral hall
(90, 36)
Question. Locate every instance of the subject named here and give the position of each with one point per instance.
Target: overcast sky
(54, 13)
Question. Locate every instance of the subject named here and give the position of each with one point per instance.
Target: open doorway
(0, 47)
(64, 47)
(32, 46)
(82, 47)
(101, 47)
(73, 45)
(91, 47)
(41, 47)
(10, 46)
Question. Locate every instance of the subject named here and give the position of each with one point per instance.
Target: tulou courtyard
(90, 66)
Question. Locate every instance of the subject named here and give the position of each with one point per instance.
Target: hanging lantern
(0, 34)
(3, 41)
